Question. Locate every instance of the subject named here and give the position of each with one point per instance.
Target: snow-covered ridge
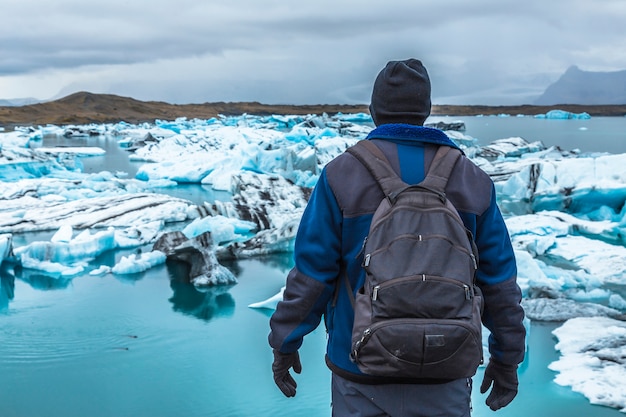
(565, 210)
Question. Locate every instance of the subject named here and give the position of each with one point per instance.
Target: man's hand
(504, 379)
(283, 379)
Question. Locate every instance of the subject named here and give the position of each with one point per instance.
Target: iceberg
(83, 247)
(6, 246)
(199, 253)
(271, 302)
(562, 114)
(138, 263)
(593, 359)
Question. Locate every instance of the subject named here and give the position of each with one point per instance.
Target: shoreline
(86, 108)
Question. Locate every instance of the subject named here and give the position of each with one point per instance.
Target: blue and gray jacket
(333, 229)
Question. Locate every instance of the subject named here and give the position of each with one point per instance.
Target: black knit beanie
(401, 94)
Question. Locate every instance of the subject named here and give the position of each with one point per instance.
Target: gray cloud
(479, 52)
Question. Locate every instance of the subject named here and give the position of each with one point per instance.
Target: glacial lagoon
(152, 344)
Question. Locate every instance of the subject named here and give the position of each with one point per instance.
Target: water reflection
(40, 280)
(115, 160)
(7, 286)
(206, 303)
(280, 261)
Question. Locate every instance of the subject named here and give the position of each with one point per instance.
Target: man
(328, 245)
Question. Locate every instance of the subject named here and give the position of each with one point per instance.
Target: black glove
(283, 379)
(504, 379)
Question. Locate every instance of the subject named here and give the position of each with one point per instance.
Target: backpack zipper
(357, 346)
(422, 277)
(468, 293)
(474, 260)
(362, 248)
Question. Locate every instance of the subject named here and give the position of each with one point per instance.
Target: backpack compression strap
(380, 168)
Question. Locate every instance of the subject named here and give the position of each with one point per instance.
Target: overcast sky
(301, 52)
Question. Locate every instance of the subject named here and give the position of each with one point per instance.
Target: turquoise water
(151, 345)
(147, 345)
(598, 134)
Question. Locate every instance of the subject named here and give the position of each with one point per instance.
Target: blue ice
(562, 114)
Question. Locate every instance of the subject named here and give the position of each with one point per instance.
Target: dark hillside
(85, 108)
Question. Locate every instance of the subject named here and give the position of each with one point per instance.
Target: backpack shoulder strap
(390, 183)
(379, 167)
(441, 168)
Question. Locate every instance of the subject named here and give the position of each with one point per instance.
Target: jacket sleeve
(310, 284)
(497, 278)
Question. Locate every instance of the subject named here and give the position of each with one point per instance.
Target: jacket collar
(399, 132)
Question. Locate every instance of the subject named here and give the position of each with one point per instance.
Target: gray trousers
(350, 399)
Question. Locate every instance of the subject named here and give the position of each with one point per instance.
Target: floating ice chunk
(595, 295)
(275, 240)
(553, 262)
(461, 139)
(326, 149)
(539, 224)
(83, 247)
(223, 229)
(138, 263)
(199, 253)
(602, 260)
(561, 309)
(269, 201)
(596, 259)
(74, 150)
(6, 246)
(556, 223)
(617, 302)
(18, 138)
(593, 359)
(27, 214)
(137, 235)
(531, 274)
(354, 117)
(64, 234)
(271, 302)
(562, 114)
(578, 185)
(510, 147)
(193, 157)
(102, 270)
(53, 269)
(16, 163)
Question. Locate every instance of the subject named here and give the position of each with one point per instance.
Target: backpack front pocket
(417, 348)
(423, 296)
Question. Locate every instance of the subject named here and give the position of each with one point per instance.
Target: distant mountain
(18, 102)
(585, 87)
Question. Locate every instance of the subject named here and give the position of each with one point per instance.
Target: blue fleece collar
(400, 132)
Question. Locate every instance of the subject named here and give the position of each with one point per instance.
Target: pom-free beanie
(401, 94)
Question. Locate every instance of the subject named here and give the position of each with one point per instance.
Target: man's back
(328, 249)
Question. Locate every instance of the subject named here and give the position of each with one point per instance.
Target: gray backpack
(418, 314)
